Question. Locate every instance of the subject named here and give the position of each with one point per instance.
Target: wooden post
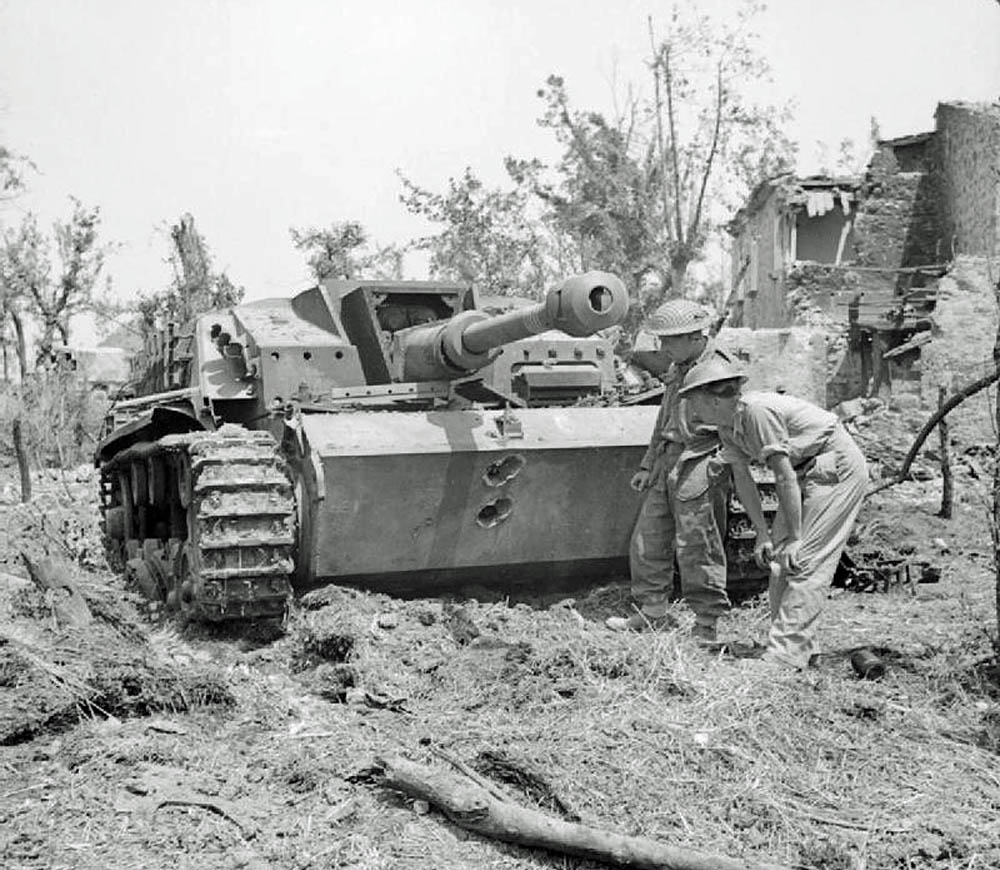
(947, 495)
(22, 460)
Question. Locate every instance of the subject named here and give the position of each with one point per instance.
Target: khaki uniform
(684, 512)
(833, 477)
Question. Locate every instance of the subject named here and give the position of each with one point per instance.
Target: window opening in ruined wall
(824, 227)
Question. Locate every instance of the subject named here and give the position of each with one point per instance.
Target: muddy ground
(143, 742)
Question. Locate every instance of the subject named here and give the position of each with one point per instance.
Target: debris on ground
(142, 741)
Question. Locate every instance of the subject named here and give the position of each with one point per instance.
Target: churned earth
(142, 742)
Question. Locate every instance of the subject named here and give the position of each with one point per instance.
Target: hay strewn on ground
(644, 734)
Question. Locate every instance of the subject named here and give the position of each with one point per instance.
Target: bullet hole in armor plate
(307, 355)
(498, 473)
(275, 355)
(338, 354)
(494, 513)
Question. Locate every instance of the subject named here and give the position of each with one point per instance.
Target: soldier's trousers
(833, 486)
(692, 531)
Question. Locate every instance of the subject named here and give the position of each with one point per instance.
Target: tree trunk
(947, 494)
(22, 460)
(678, 272)
(21, 345)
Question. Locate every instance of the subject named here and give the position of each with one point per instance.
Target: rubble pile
(885, 431)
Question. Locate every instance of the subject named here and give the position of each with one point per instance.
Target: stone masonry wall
(964, 326)
(897, 222)
(967, 145)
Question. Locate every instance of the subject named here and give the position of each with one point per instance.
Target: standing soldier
(820, 476)
(686, 486)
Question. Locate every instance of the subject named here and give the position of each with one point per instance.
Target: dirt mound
(52, 676)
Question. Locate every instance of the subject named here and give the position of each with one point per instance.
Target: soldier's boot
(705, 633)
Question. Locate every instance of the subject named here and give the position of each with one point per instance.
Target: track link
(223, 547)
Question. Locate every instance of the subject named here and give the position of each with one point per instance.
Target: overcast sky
(256, 116)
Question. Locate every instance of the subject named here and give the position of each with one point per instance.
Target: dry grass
(644, 734)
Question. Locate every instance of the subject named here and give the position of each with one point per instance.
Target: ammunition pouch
(698, 468)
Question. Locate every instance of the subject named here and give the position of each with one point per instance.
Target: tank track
(744, 577)
(204, 522)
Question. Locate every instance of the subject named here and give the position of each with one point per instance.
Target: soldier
(820, 478)
(686, 486)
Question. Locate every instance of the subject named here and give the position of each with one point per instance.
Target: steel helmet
(711, 371)
(679, 317)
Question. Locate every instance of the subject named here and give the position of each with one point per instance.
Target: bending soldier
(686, 486)
(820, 477)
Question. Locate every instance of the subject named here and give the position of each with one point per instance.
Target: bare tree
(711, 141)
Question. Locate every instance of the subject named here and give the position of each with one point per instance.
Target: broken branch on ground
(472, 807)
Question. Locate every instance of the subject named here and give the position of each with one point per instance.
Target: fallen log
(474, 808)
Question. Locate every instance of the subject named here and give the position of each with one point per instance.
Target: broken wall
(897, 223)
(792, 360)
(759, 290)
(964, 328)
(968, 163)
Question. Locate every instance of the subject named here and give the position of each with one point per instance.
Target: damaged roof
(903, 141)
(797, 192)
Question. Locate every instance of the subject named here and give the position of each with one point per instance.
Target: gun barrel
(579, 306)
(484, 335)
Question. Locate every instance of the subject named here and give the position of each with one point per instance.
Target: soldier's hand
(788, 555)
(763, 551)
(640, 480)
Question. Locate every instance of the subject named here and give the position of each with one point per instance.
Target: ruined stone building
(897, 266)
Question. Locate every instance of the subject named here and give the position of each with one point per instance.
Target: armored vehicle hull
(347, 435)
(491, 497)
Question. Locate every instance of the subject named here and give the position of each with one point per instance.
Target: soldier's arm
(655, 444)
(786, 486)
(656, 440)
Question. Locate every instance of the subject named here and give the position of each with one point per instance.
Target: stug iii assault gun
(343, 435)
